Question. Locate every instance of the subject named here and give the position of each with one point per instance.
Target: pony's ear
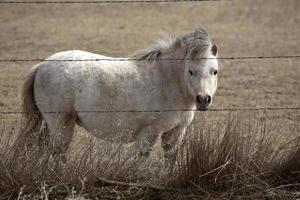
(214, 49)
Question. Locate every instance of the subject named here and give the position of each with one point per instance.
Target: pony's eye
(215, 72)
(191, 72)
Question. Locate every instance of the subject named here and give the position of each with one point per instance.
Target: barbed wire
(161, 110)
(140, 59)
(105, 1)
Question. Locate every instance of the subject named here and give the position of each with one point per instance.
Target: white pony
(171, 79)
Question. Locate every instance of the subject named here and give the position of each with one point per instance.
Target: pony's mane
(154, 51)
(195, 43)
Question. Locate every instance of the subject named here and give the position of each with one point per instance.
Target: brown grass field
(226, 155)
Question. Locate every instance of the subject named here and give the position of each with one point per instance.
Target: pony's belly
(122, 129)
(122, 135)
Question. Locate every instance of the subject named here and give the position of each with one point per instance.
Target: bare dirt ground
(240, 28)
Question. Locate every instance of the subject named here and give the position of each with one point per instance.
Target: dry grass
(240, 160)
(243, 161)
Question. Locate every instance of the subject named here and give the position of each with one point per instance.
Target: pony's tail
(33, 117)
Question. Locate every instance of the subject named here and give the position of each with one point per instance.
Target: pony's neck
(173, 72)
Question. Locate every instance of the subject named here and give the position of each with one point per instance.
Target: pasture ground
(260, 146)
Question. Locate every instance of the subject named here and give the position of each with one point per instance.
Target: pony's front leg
(171, 141)
(146, 139)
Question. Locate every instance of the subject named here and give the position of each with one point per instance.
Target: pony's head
(201, 67)
(193, 54)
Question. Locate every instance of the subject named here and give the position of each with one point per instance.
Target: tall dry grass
(244, 158)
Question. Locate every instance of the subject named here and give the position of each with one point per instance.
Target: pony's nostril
(208, 99)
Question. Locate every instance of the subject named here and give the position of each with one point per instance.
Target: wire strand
(163, 110)
(140, 59)
(106, 1)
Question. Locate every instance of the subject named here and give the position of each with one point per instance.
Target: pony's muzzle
(203, 101)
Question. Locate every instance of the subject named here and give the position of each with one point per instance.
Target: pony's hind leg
(61, 129)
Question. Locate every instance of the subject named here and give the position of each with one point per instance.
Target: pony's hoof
(59, 158)
(63, 159)
(171, 155)
(145, 153)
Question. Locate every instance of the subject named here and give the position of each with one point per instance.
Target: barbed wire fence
(9, 112)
